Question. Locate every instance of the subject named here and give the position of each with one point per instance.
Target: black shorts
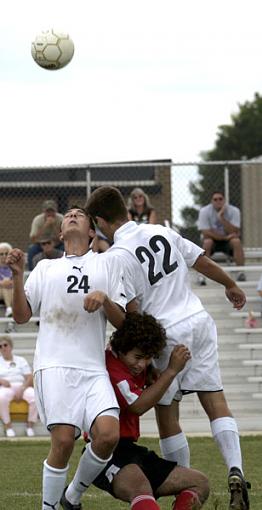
(223, 246)
(154, 467)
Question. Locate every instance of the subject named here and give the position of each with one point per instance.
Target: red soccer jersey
(127, 389)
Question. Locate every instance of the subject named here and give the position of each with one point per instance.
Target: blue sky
(149, 79)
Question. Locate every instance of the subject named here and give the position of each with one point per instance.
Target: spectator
(259, 287)
(16, 383)
(48, 250)
(48, 223)
(139, 208)
(219, 224)
(6, 279)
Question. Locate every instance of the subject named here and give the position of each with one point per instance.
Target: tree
(239, 140)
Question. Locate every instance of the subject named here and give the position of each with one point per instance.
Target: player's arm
(151, 395)
(209, 268)
(21, 309)
(132, 306)
(97, 299)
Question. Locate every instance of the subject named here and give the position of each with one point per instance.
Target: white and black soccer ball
(52, 49)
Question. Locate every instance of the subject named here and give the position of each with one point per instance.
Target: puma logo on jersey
(78, 268)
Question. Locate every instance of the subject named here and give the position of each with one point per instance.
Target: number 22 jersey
(156, 261)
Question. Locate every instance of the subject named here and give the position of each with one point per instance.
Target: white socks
(88, 469)
(225, 433)
(54, 481)
(176, 448)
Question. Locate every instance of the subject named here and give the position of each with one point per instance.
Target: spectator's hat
(49, 205)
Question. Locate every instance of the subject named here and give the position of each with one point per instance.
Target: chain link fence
(176, 191)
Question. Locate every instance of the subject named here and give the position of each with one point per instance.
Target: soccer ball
(52, 50)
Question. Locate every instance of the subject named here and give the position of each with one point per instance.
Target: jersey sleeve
(116, 281)
(190, 251)
(33, 287)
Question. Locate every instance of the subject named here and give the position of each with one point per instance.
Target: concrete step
(200, 425)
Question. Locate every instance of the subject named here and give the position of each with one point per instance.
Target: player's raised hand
(16, 261)
(178, 358)
(94, 301)
(236, 296)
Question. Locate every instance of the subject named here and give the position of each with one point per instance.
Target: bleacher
(240, 352)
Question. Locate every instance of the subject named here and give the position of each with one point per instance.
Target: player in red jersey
(135, 474)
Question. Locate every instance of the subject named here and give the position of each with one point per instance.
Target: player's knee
(202, 487)
(108, 438)
(63, 446)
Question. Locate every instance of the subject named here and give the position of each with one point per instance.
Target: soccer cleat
(237, 487)
(67, 505)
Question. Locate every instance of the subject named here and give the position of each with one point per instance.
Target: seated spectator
(16, 383)
(219, 224)
(139, 208)
(6, 279)
(48, 223)
(259, 287)
(48, 250)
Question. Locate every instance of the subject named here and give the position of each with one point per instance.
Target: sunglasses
(46, 242)
(4, 253)
(138, 196)
(3, 345)
(217, 199)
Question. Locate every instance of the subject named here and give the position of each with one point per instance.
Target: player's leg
(105, 435)
(190, 487)
(55, 390)
(131, 485)
(173, 442)
(56, 465)
(102, 424)
(225, 432)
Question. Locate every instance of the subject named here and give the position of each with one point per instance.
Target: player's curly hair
(142, 331)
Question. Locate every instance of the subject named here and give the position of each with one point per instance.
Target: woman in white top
(16, 383)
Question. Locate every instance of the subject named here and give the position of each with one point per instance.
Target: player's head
(106, 205)
(141, 331)
(76, 220)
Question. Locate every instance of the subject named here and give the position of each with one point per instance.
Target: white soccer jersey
(156, 261)
(68, 335)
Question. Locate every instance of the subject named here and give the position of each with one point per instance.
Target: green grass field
(21, 472)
